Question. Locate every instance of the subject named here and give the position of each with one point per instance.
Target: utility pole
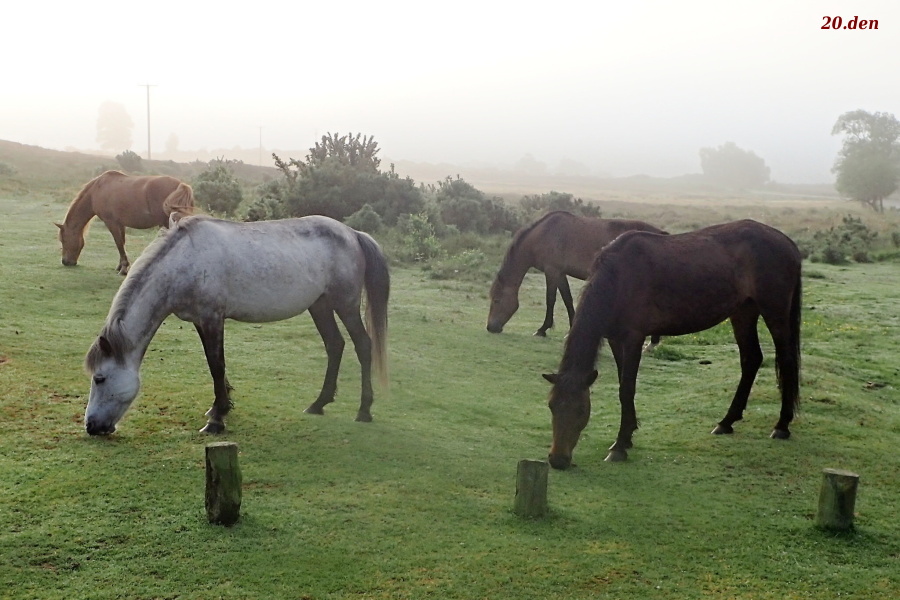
(148, 86)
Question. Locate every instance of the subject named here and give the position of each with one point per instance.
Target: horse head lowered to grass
(206, 270)
(647, 284)
(121, 201)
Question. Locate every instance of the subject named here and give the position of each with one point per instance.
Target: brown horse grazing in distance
(121, 201)
(559, 244)
(647, 284)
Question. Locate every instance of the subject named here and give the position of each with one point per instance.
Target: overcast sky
(625, 88)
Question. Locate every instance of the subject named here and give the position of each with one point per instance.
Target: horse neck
(588, 329)
(81, 210)
(515, 266)
(140, 309)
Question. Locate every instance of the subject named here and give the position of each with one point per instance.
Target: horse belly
(266, 301)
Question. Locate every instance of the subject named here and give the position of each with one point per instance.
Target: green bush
(6, 170)
(852, 239)
(536, 205)
(130, 161)
(217, 190)
(418, 241)
(365, 219)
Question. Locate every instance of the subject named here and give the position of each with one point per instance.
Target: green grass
(418, 503)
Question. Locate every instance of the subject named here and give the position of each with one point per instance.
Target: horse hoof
(616, 456)
(722, 429)
(312, 409)
(213, 428)
(363, 417)
(780, 434)
(540, 333)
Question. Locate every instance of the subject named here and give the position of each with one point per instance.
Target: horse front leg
(212, 336)
(628, 359)
(323, 317)
(551, 304)
(118, 233)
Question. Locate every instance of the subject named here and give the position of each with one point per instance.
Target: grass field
(418, 503)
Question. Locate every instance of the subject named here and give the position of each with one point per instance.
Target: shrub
(217, 190)
(6, 170)
(130, 161)
(418, 240)
(536, 205)
(852, 238)
(365, 219)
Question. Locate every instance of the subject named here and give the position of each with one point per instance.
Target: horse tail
(378, 288)
(792, 381)
(181, 201)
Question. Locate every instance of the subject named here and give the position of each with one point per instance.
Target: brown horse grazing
(647, 284)
(121, 201)
(559, 244)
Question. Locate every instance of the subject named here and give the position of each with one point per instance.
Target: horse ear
(591, 378)
(58, 225)
(551, 377)
(105, 346)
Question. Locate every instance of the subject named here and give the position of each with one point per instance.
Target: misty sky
(625, 88)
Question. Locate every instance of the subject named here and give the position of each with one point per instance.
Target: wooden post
(223, 483)
(531, 488)
(837, 499)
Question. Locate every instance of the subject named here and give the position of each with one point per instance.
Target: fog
(624, 90)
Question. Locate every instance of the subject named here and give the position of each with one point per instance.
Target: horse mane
(582, 345)
(180, 201)
(112, 340)
(520, 235)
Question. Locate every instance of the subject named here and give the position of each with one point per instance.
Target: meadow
(417, 504)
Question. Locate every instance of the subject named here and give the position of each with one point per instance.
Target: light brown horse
(559, 244)
(121, 201)
(645, 284)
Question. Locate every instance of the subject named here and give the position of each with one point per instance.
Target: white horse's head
(114, 386)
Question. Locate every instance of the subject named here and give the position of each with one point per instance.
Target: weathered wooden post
(837, 499)
(223, 483)
(531, 488)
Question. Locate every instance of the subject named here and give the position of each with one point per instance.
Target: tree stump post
(837, 499)
(223, 483)
(531, 488)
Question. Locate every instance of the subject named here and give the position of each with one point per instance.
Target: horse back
(137, 202)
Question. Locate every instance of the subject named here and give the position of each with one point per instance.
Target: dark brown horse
(647, 284)
(121, 201)
(559, 244)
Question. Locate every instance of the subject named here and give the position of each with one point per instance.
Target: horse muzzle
(558, 461)
(93, 428)
(69, 263)
(494, 327)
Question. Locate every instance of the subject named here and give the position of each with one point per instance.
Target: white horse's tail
(378, 288)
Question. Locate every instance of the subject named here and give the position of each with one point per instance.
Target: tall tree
(114, 127)
(729, 165)
(868, 165)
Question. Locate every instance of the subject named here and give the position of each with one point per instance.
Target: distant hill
(28, 169)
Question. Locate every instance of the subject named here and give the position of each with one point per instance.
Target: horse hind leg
(743, 324)
(787, 369)
(352, 320)
(118, 233)
(323, 317)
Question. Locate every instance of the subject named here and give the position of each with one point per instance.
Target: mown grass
(417, 503)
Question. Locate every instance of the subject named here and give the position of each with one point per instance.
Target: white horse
(206, 270)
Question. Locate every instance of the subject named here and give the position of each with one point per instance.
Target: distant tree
(730, 166)
(531, 165)
(868, 165)
(114, 127)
